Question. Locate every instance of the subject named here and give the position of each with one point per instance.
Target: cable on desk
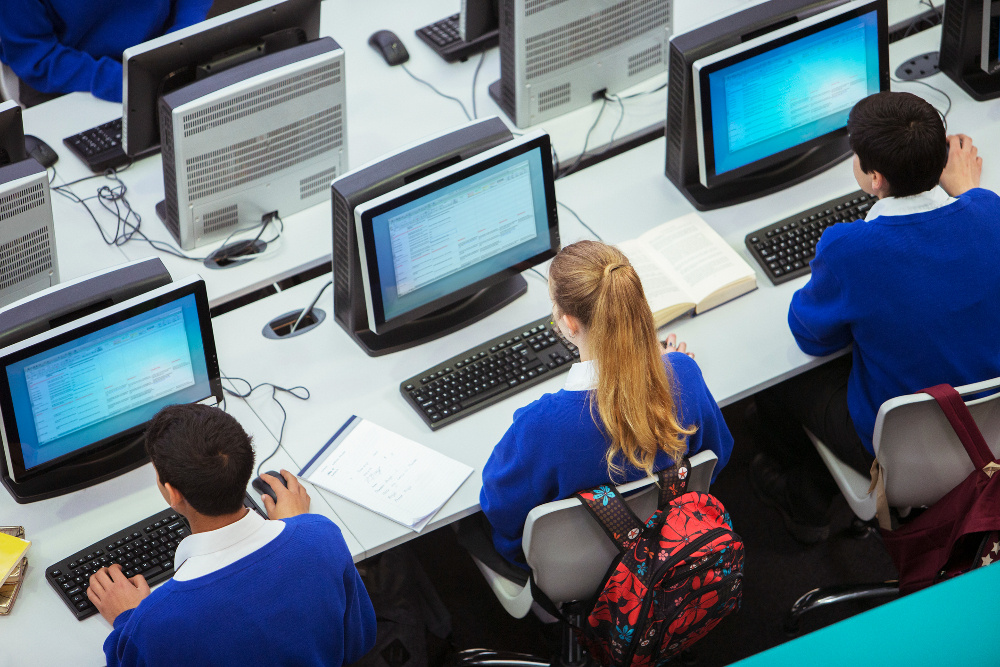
(540, 274)
(621, 117)
(312, 304)
(431, 86)
(586, 140)
(475, 77)
(944, 115)
(274, 396)
(578, 219)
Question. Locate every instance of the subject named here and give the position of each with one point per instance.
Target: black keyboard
(784, 249)
(489, 373)
(146, 547)
(445, 40)
(100, 147)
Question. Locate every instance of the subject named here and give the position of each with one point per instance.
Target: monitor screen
(448, 235)
(778, 95)
(95, 380)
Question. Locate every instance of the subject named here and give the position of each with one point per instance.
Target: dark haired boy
(245, 590)
(914, 287)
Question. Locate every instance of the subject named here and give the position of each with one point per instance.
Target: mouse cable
(308, 309)
(586, 140)
(475, 77)
(274, 396)
(431, 86)
(540, 274)
(944, 114)
(580, 220)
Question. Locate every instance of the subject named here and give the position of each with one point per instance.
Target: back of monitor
(266, 136)
(28, 261)
(560, 55)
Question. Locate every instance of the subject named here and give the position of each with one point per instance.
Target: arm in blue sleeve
(187, 13)
(510, 491)
(118, 647)
(359, 616)
(818, 313)
(699, 408)
(30, 48)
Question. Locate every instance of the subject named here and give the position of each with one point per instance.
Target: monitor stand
(93, 468)
(442, 322)
(768, 181)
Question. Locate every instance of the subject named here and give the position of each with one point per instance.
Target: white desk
(45, 631)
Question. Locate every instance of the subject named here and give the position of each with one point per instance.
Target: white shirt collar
(207, 552)
(582, 376)
(919, 203)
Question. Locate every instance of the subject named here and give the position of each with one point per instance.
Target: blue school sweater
(298, 600)
(918, 295)
(64, 46)
(554, 448)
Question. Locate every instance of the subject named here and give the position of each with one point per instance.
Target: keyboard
(100, 147)
(146, 547)
(489, 373)
(445, 40)
(785, 248)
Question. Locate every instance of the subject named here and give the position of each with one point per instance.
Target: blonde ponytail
(596, 284)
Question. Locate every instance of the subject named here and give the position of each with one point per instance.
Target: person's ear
(174, 498)
(879, 184)
(570, 325)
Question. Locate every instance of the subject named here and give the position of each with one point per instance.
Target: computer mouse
(40, 150)
(389, 46)
(263, 487)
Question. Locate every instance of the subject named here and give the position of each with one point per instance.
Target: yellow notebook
(12, 550)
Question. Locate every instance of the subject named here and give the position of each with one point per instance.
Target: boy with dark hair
(64, 46)
(914, 287)
(245, 590)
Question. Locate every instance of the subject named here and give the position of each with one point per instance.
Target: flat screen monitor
(11, 134)
(95, 383)
(167, 63)
(445, 237)
(759, 100)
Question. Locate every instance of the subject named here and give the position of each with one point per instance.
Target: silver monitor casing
(559, 55)
(28, 261)
(268, 136)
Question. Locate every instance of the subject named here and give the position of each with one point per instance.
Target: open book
(685, 266)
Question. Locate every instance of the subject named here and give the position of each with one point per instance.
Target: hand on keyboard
(112, 592)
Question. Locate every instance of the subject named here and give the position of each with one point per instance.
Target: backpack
(677, 576)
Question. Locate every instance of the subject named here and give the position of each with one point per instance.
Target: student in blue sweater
(246, 591)
(628, 408)
(64, 46)
(914, 287)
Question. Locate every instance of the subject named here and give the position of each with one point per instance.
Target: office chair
(569, 555)
(9, 84)
(923, 460)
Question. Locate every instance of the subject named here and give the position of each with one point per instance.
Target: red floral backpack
(678, 574)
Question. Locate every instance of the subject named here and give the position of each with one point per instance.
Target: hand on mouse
(964, 166)
(292, 501)
(671, 345)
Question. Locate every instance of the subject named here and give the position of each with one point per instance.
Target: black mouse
(40, 150)
(389, 46)
(263, 487)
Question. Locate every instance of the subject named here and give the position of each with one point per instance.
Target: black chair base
(822, 597)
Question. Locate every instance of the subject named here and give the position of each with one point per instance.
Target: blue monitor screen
(109, 381)
(792, 94)
(467, 231)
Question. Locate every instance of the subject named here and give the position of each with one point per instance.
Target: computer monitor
(75, 400)
(558, 56)
(759, 100)
(435, 237)
(970, 46)
(156, 67)
(11, 134)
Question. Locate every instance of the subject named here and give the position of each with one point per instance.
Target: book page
(704, 261)
(658, 281)
(391, 475)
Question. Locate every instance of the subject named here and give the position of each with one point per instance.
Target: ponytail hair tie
(610, 268)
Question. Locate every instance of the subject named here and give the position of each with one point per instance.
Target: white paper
(391, 475)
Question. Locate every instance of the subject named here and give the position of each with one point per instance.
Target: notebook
(381, 470)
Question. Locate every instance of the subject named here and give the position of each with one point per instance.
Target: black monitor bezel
(133, 307)
(12, 135)
(434, 183)
(990, 58)
(708, 153)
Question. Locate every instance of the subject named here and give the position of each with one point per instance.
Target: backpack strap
(612, 513)
(965, 426)
(673, 481)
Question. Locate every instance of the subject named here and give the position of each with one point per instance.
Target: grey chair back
(568, 551)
